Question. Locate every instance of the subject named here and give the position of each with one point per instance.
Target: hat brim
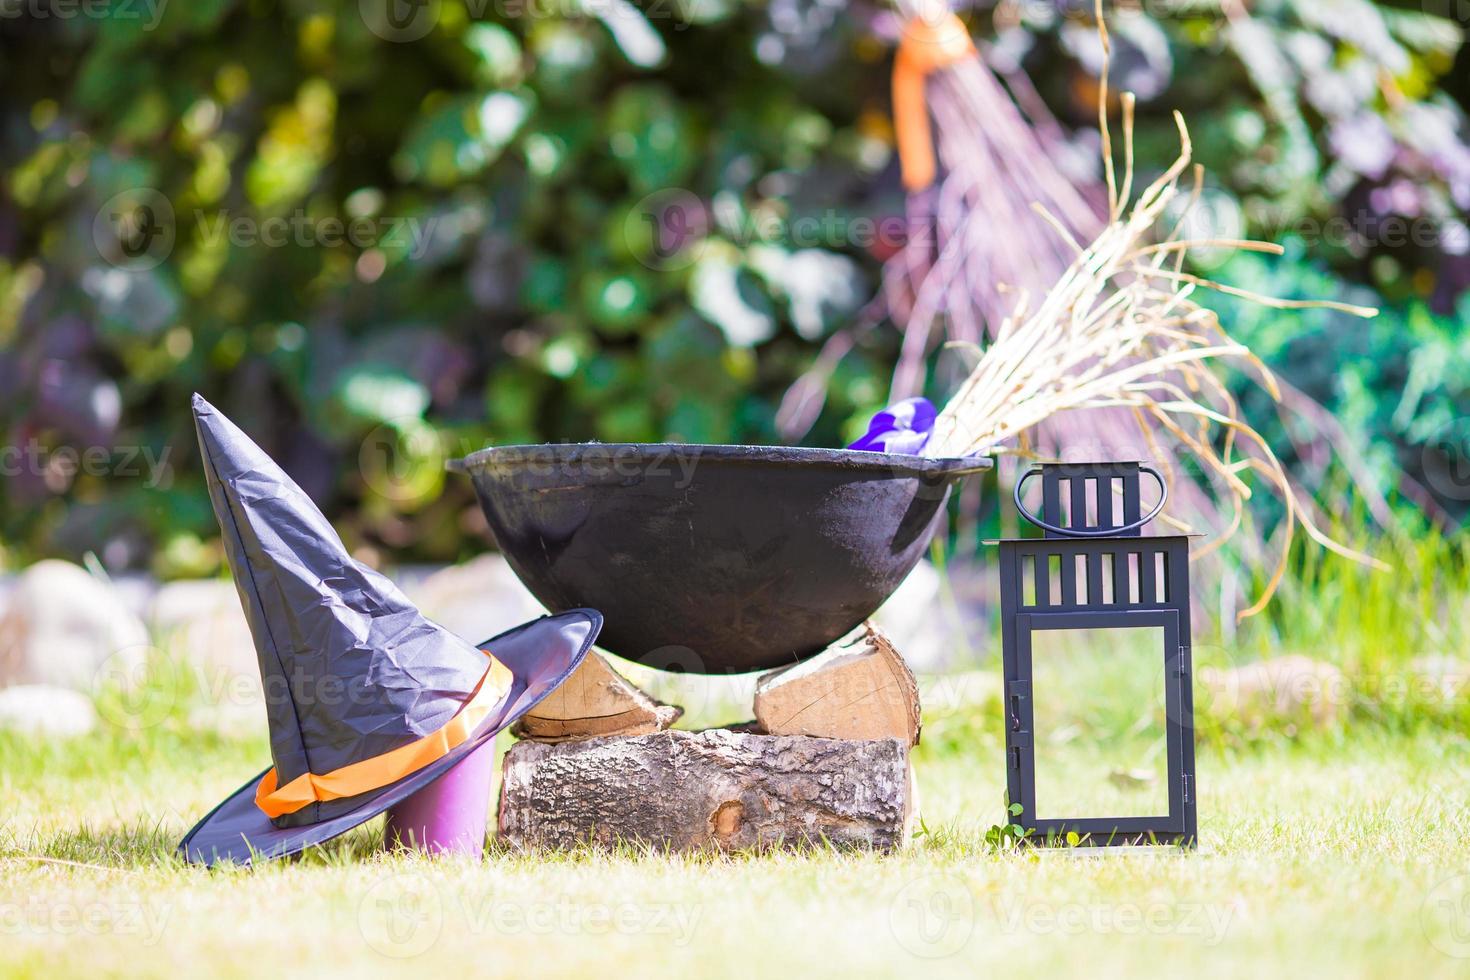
(540, 655)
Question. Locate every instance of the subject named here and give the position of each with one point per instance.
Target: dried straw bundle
(1122, 328)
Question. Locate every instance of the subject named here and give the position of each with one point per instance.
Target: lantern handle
(1101, 532)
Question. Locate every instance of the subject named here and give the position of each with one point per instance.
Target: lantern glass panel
(1100, 722)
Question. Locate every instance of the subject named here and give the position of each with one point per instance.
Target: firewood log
(710, 790)
(859, 688)
(594, 702)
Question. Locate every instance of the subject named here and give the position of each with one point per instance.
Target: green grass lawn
(1343, 853)
(1348, 856)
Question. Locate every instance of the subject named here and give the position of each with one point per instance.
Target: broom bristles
(1119, 329)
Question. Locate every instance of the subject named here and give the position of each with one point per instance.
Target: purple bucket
(447, 816)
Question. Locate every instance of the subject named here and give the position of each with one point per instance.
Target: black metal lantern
(1094, 606)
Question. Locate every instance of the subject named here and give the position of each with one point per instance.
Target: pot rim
(893, 464)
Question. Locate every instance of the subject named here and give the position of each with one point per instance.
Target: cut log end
(595, 702)
(859, 688)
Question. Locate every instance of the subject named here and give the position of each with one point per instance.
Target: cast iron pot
(712, 559)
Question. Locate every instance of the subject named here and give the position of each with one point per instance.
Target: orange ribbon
(380, 770)
(927, 45)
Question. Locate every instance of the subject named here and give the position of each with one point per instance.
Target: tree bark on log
(711, 790)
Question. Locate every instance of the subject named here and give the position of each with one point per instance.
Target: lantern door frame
(1099, 583)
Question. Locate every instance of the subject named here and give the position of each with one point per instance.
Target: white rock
(475, 600)
(136, 590)
(200, 624)
(66, 628)
(1279, 693)
(937, 619)
(1441, 678)
(230, 718)
(44, 709)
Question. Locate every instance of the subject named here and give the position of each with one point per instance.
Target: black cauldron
(712, 559)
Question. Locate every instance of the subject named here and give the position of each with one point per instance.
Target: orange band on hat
(381, 770)
(926, 47)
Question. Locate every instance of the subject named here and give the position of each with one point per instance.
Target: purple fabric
(903, 427)
(447, 816)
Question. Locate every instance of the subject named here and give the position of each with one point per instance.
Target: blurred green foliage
(382, 234)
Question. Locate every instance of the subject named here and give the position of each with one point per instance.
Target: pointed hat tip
(226, 448)
(207, 420)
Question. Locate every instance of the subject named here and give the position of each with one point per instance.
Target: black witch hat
(366, 700)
